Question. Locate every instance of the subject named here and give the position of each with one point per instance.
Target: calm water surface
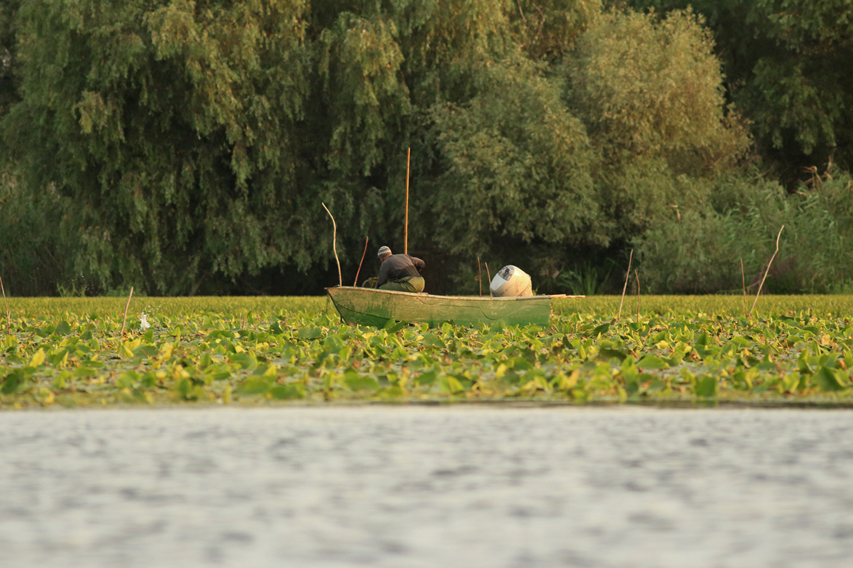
(427, 486)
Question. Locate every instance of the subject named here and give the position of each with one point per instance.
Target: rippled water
(427, 486)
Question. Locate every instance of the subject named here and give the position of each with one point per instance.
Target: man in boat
(399, 272)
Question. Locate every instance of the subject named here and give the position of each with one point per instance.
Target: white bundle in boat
(511, 281)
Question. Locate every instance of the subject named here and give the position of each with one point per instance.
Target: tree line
(186, 147)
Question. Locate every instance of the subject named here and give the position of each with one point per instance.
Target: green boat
(367, 306)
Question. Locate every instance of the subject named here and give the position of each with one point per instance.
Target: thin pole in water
(406, 229)
(355, 284)
(334, 244)
(757, 294)
(8, 319)
(126, 306)
(625, 287)
(637, 276)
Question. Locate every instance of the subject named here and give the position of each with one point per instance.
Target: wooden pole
(6, 305)
(637, 276)
(355, 284)
(406, 229)
(625, 287)
(765, 272)
(334, 244)
(127, 305)
(489, 276)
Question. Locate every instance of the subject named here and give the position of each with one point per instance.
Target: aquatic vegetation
(261, 350)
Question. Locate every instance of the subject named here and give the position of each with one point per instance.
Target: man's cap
(383, 250)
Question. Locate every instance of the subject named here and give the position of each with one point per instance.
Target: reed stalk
(625, 287)
(480, 276)
(6, 305)
(355, 284)
(637, 276)
(126, 306)
(763, 278)
(334, 244)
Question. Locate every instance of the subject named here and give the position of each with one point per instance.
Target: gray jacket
(398, 266)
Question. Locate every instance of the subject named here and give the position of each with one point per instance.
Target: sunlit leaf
(38, 358)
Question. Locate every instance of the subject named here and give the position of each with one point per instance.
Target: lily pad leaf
(427, 378)
(310, 332)
(254, 385)
(827, 381)
(451, 385)
(333, 343)
(393, 326)
(651, 362)
(63, 328)
(38, 358)
(362, 383)
(434, 341)
(608, 354)
(12, 381)
(285, 392)
(707, 387)
(601, 329)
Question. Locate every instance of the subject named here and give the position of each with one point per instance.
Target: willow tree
(801, 96)
(189, 139)
(192, 141)
(650, 92)
(168, 130)
(8, 59)
(785, 63)
(517, 183)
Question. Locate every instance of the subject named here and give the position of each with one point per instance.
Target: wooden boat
(369, 306)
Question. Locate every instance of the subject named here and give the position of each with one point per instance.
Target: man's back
(398, 268)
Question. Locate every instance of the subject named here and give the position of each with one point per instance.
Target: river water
(427, 486)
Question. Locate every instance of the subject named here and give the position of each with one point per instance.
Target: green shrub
(32, 260)
(692, 254)
(701, 250)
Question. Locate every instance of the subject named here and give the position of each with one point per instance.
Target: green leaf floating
(707, 387)
(827, 380)
(357, 383)
(652, 362)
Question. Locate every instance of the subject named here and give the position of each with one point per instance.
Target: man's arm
(417, 262)
(384, 270)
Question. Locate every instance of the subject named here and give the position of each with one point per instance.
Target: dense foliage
(785, 64)
(699, 249)
(228, 350)
(8, 61)
(186, 146)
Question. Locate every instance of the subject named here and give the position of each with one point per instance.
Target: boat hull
(368, 306)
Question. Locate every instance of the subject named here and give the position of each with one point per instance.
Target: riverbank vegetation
(662, 350)
(185, 146)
